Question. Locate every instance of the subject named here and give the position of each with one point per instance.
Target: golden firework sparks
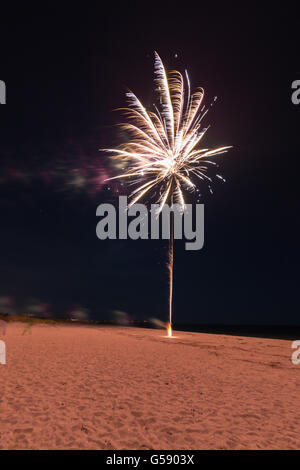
(162, 152)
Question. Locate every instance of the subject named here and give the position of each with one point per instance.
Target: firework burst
(163, 147)
(161, 157)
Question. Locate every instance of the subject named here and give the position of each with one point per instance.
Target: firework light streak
(162, 154)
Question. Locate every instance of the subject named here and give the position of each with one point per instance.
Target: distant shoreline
(287, 332)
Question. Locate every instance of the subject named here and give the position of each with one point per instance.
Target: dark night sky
(65, 70)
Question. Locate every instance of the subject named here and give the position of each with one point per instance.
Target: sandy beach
(95, 387)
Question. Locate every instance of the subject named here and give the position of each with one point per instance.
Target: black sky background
(66, 68)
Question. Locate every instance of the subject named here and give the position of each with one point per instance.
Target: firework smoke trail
(171, 268)
(162, 154)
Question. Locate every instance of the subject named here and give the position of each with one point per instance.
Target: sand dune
(89, 387)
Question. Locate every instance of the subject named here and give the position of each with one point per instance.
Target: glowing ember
(169, 330)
